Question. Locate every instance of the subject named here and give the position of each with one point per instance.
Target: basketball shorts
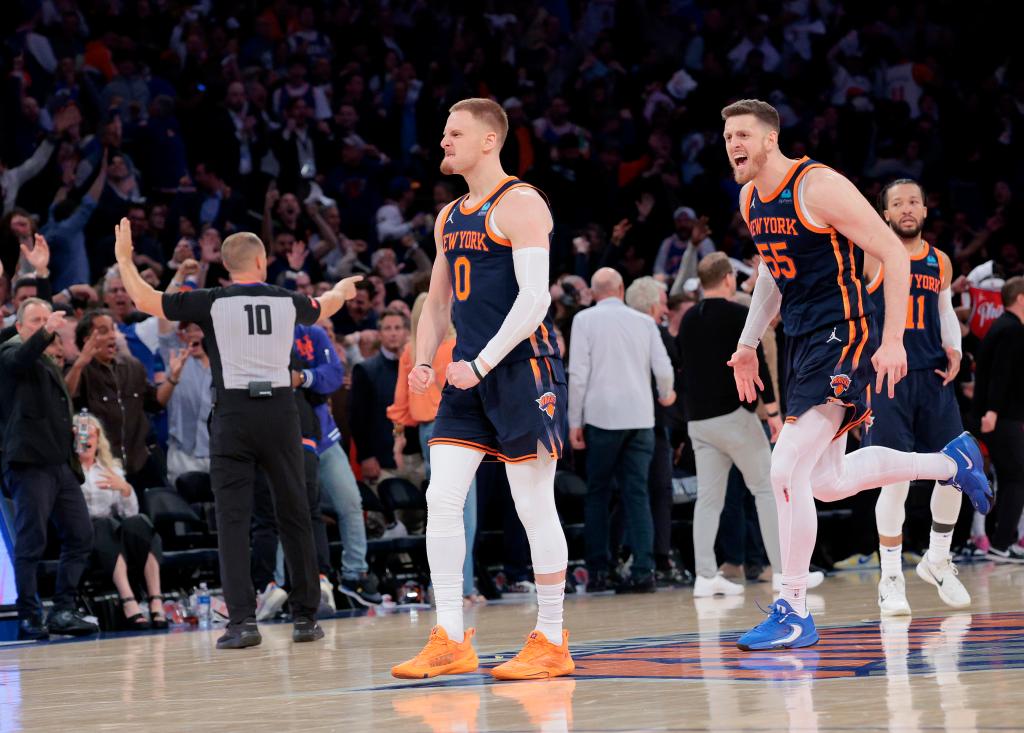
(515, 407)
(832, 365)
(922, 417)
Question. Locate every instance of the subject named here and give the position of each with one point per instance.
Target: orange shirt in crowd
(413, 409)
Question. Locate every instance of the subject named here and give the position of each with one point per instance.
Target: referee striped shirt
(248, 329)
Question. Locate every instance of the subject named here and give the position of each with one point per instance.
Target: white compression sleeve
(949, 323)
(764, 306)
(531, 266)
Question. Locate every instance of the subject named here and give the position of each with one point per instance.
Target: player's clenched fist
(461, 376)
(420, 378)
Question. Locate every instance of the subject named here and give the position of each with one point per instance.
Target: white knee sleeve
(945, 504)
(533, 490)
(451, 472)
(890, 510)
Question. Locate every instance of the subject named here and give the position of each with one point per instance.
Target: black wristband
(772, 414)
(472, 365)
(428, 366)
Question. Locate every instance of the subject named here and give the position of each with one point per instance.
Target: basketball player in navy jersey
(505, 397)
(924, 415)
(810, 225)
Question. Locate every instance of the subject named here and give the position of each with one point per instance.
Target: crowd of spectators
(315, 124)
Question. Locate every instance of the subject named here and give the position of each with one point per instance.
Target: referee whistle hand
(123, 241)
(347, 287)
(420, 378)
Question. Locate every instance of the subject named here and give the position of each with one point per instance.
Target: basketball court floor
(661, 662)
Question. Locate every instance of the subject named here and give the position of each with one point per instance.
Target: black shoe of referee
(240, 637)
(306, 629)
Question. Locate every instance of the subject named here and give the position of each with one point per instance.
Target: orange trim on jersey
(534, 344)
(862, 344)
(487, 217)
(856, 280)
(791, 419)
(849, 343)
(536, 371)
(551, 373)
(445, 213)
(746, 206)
(839, 275)
(854, 423)
(799, 209)
(785, 182)
(876, 281)
(942, 268)
(544, 337)
(922, 254)
(488, 451)
(484, 200)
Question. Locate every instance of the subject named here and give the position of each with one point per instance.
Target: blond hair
(239, 251)
(487, 111)
(761, 110)
(104, 456)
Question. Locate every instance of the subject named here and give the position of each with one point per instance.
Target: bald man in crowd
(613, 352)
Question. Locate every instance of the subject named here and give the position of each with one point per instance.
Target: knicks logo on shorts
(839, 383)
(546, 402)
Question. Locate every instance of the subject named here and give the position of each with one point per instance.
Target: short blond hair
(487, 111)
(239, 251)
(761, 110)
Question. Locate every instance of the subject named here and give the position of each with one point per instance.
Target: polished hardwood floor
(662, 662)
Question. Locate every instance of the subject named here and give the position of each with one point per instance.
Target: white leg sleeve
(945, 504)
(890, 510)
(533, 490)
(452, 470)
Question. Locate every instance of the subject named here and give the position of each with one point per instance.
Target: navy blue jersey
(483, 279)
(923, 335)
(816, 268)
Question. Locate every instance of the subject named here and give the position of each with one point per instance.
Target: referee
(248, 328)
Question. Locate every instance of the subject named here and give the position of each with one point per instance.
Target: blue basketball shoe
(783, 629)
(970, 471)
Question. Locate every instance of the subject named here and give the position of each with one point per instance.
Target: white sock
(448, 600)
(550, 600)
(936, 466)
(891, 559)
(938, 546)
(794, 592)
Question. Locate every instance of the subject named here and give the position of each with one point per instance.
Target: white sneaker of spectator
(395, 531)
(719, 585)
(270, 602)
(327, 593)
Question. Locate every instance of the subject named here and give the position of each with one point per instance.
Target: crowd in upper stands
(316, 125)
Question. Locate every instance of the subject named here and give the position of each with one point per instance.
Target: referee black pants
(245, 433)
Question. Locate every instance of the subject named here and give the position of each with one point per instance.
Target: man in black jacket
(1000, 405)
(42, 472)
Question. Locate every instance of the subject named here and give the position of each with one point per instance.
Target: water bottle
(82, 430)
(203, 601)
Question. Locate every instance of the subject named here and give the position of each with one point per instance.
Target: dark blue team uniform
(827, 317)
(924, 415)
(523, 400)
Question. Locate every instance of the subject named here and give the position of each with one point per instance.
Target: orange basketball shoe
(440, 656)
(539, 659)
